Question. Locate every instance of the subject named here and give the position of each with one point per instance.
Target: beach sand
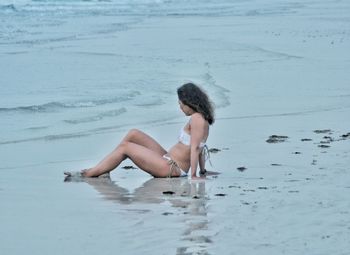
(283, 74)
(284, 202)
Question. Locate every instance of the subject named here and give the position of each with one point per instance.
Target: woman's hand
(198, 178)
(207, 173)
(202, 172)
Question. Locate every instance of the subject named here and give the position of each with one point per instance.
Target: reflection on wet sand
(189, 197)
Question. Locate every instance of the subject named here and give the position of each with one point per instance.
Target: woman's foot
(76, 173)
(82, 173)
(79, 176)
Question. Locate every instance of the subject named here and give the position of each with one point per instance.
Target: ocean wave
(59, 7)
(100, 130)
(45, 40)
(98, 117)
(37, 128)
(220, 93)
(48, 107)
(146, 7)
(46, 138)
(56, 106)
(8, 8)
(149, 102)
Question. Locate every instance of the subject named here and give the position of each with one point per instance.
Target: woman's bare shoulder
(198, 121)
(197, 117)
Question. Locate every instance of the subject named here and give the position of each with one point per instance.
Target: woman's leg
(148, 160)
(112, 160)
(140, 138)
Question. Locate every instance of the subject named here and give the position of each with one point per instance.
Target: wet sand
(281, 202)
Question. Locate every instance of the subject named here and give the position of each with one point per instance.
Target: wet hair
(195, 98)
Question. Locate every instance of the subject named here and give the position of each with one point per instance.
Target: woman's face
(186, 109)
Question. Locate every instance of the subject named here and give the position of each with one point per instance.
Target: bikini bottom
(174, 166)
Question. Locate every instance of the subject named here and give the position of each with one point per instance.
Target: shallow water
(55, 85)
(77, 68)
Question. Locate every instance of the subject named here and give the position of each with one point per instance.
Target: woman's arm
(197, 135)
(194, 160)
(202, 163)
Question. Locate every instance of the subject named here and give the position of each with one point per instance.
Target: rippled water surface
(60, 79)
(72, 68)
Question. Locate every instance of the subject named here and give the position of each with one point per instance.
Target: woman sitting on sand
(151, 157)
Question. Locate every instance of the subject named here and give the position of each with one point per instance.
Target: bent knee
(123, 149)
(133, 133)
(123, 145)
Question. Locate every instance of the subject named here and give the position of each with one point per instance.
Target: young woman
(182, 159)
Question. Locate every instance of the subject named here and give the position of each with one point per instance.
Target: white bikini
(185, 139)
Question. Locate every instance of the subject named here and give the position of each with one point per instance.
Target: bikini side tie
(206, 154)
(173, 166)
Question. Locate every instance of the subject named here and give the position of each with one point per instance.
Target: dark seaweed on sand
(220, 195)
(168, 192)
(345, 136)
(128, 167)
(241, 168)
(323, 146)
(329, 138)
(277, 138)
(214, 150)
(322, 131)
(306, 139)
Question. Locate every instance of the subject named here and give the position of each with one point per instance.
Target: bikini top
(185, 138)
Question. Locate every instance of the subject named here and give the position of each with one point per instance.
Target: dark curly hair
(195, 98)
